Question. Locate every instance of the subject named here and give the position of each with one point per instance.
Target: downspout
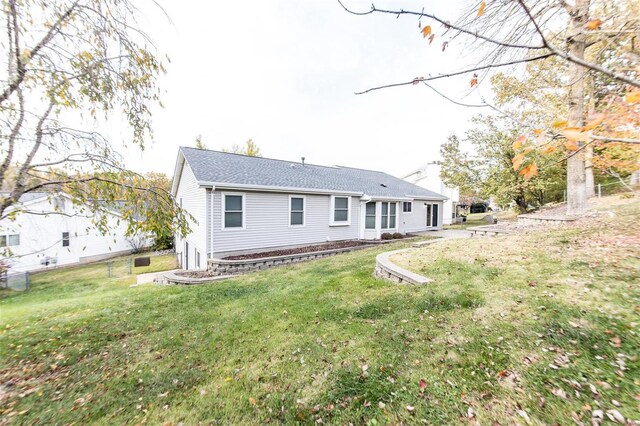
(363, 215)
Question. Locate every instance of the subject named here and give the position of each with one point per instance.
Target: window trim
(366, 215)
(304, 211)
(6, 240)
(410, 203)
(332, 204)
(68, 239)
(388, 215)
(223, 211)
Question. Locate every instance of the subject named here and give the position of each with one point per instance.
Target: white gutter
(268, 188)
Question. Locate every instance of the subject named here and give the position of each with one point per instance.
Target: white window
(65, 239)
(340, 210)
(296, 210)
(407, 207)
(370, 218)
(9, 240)
(233, 211)
(388, 215)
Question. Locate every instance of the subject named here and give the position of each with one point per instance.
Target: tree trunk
(588, 171)
(576, 175)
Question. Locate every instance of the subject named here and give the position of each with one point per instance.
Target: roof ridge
(281, 160)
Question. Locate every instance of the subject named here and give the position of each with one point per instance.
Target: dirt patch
(299, 250)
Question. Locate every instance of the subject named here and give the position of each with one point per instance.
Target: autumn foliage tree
(589, 38)
(66, 67)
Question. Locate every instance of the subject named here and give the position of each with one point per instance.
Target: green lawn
(477, 219)
(513, 326)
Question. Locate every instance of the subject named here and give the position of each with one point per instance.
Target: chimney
(302, 160)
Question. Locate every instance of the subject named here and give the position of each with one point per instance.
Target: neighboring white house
(429, 177)
(244, 204)
(50, 230)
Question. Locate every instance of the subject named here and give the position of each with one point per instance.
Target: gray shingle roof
(214, 167)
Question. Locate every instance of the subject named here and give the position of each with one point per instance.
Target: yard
(540, 327)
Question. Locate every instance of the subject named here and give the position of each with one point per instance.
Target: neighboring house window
(197, 259)
(341, 210)
(407, 207)
(296, 206)
(370, 219)
(233, 206)
(9, 240)
(388, 215)
(65, 239)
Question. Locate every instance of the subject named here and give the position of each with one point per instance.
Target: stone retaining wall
(389, 271)
(526, 219)
(218, 267)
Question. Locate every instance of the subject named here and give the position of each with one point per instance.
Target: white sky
(284, 73)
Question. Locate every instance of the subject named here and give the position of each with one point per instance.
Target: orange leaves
(529, 171)
(426, 31)
(474, 80)
(633, 97)
(518, 143)
(594, 121)
(571, 145)
(576, 134)
(483, 5)
(593, 24)
(548, 149)
(517, 161)
(559, 124)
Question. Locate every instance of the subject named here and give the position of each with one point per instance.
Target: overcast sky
(284, 73)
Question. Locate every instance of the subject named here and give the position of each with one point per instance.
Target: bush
(397, 236)
(386, 236)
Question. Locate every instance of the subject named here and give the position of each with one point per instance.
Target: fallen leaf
(559, 393)
(616, 342)
(422, 384)
(252, 401)
(615, 415)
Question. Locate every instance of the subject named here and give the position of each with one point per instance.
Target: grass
(325, 340)
(477, 219)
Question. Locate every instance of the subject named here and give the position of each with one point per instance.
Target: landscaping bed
(300, 250)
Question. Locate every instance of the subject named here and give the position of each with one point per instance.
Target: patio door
(432, 215)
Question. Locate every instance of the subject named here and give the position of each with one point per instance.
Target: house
(428, 177)
(50, 230)
(243, 204)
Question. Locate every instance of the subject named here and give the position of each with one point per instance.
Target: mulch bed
(299, 250)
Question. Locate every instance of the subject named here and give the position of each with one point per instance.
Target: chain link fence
(18, 281)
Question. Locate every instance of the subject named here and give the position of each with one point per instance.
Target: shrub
(397, 236)
(386, 236)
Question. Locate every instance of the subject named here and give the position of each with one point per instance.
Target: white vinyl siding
(193, 199)
(268, 222)
(417, 220)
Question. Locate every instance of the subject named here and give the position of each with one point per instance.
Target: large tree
(511, 32)
(67, 68)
